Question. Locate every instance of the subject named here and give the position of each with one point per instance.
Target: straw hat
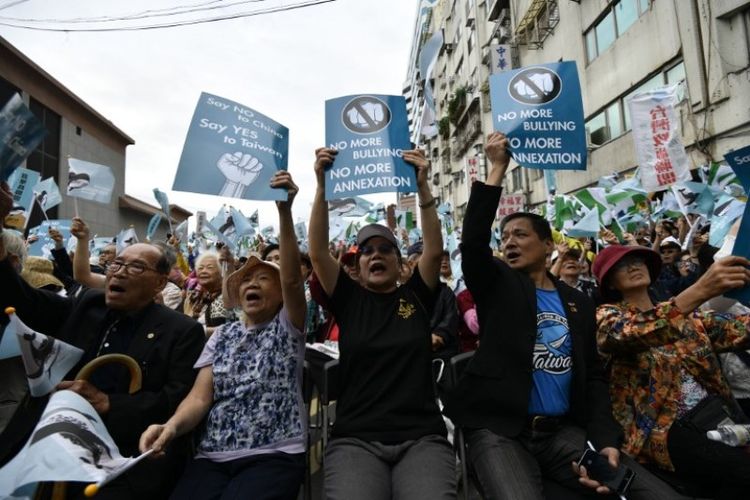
(37, 272)
(231, 290)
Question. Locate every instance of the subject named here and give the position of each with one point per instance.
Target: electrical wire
(176, 23)
(12, 3)
(146, 14)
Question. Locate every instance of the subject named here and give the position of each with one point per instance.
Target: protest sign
(44, 245)
(90, 181)
(739, 160)
(22, 183)
(539, 109)
(370, 133)
(20, 133)
(47, 194)
(233, 151)
(510, 204)
(153, 225)
(658, 149)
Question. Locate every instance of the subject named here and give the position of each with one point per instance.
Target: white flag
(658, 148)
(45, 359)
(70, 443)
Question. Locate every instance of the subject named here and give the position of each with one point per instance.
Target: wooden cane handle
(136, 377)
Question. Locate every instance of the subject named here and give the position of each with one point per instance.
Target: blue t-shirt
(552, 361)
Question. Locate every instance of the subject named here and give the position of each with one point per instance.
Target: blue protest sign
(233, 151)
(47, 193)
(90, 181)
(739, 160)
(44, 245)
(370, 133)
(20, 133)
(539, 109)
(22, 182)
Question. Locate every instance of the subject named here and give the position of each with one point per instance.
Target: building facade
(75, 130)
(621, 47)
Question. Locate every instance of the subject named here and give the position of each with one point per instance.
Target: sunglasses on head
(383, 249)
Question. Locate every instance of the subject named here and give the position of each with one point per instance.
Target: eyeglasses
(132, 268)
(383, 249)
(686, 263)
(628, 262)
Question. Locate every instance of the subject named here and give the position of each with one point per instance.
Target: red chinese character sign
(658, 148)
(510, 204)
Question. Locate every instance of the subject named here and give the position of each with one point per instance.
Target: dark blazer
(494, 391)
(165, 344)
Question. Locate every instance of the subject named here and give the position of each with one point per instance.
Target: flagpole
(75, 205)
(93, 488)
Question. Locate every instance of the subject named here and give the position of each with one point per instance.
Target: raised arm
(432, 253)
(81, 269)
(325, 266)
(292, 284)
(480, 212)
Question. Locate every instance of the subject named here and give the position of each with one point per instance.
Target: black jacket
(444, 322)
(165, 344)
(494, 391)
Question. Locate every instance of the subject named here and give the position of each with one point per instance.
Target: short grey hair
(14, 244)
(206, 255)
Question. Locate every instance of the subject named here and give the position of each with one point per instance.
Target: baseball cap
(372, 230)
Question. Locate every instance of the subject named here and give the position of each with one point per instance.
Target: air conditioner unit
(448, 47)
(485, 55)
(599, 136)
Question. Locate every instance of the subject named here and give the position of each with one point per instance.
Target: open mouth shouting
(377, 269)
(252, 298)
(512, 256)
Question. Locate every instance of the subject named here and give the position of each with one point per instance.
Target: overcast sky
(284, 65)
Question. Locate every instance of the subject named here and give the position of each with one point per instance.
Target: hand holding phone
(598, 469)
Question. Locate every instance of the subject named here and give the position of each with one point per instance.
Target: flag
(90, 181)
(661, 156)
(45, 359)
(693, 198)
(254, 220)
(354, 206)
(222, 227)
(47, 194)
(181, 231)
(20, 134)
(565, 211)
(587, 227)
(125, 238)
(404, 219)
(70, 443)
(242, 225)
(22, 183)
(161, 198)
(300, 231)
(153, 225)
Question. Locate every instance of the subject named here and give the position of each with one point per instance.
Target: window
(7, 90)
(471, 41)
(617, 19)
(45, 159)
(517, 179)
(614, 119)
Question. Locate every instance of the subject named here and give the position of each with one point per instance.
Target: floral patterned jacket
(648, 350)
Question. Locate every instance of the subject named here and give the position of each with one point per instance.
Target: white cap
(669, 240)
(713, 435)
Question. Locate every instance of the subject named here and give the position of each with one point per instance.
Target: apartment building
(621, 47)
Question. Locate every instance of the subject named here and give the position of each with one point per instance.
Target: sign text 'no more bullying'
(370, 133)
(539, 109)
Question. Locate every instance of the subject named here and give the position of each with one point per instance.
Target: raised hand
(323, 159)
(416, 158)
(79, 229)
(283, 179)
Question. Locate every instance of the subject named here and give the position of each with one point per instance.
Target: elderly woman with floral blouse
(666, 384)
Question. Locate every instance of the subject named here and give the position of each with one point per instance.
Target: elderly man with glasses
(121, 318)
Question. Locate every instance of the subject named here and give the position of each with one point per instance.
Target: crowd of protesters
(616, 344)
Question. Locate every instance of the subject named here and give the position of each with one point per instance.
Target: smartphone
(617, 480)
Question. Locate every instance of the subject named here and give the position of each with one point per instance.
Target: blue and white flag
(161, 198)
(233, 151)
(90, 181)
(153, 225)
(354, 206)
(300, 231)
(22, 183)
(70, 443)
(587, 227)
(739, 160)
(370, 132)
(181, 231)
(45, 358)
(20, 134)
(47, 194)
(539, 109)
(44, 244)
(125, 238)
(242, 225)
(222, 227)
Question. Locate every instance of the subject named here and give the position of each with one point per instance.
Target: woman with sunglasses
(666, 384)
(389, 437)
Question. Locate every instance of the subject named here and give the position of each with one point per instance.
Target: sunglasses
(383, 249)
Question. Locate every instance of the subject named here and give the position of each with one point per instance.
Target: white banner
(510, 204)
(658, 148)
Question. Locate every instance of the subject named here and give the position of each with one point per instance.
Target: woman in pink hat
(666, 384)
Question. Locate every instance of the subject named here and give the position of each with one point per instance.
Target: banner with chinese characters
(510, 204)
(658, 148)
